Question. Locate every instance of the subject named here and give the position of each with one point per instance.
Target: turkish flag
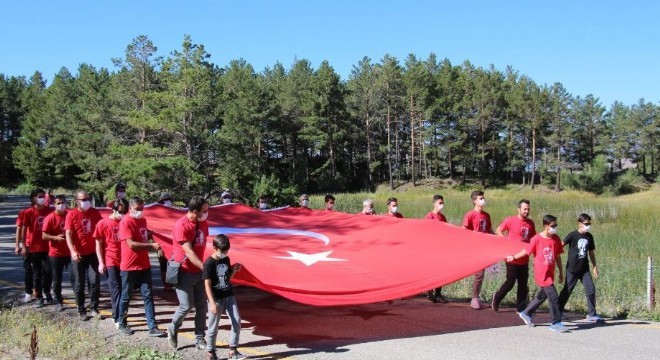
(332, 258)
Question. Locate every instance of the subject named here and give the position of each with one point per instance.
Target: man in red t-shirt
(22, 250)
(135, 266)
(189, 242)
(478, 220)
(435, 295)
(108, 252)
(79, 228)
(33, 219)
(518, 228)
(547, 249)
(59, 254)
(393, 208)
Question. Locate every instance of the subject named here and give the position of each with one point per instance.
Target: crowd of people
(51, 237)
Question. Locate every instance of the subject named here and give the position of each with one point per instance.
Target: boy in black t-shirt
(580, 244)
(217, 273)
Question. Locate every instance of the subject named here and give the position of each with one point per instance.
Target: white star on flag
(310, 259)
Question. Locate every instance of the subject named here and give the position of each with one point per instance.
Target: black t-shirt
(218, 271)
(579, 246)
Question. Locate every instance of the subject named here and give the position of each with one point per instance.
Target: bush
(277, 194)
(629, 182)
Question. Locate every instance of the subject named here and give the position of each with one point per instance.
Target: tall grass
(625, 231)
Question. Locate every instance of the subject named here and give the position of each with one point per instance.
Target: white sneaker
(27, 298)
(594, 318)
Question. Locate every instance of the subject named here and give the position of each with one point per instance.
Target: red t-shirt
(519, 230)
(82, 226)
(136, 230)
(33, 220)
(54, 225)
(545, 251)
(107, 231)
(432, 215)
(184, 231)
(477, 221)
(19, 218)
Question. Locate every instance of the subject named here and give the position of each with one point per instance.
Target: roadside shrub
(629, 182)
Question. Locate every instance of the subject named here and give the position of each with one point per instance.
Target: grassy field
(624, 229)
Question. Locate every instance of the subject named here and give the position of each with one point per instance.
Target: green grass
(624, 229)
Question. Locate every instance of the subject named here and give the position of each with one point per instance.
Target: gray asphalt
(276, 328)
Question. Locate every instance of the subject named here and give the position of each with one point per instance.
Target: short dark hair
(59, 197)
(476, 193)
(36, 192)
(221, 242)
(549, 219)
(391, 200)
(437, 197)
(523, 201)
(329, 197)
(584, 217)
(135, 200)
(120, 202)
(196, 203)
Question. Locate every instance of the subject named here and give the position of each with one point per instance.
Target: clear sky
(610, 49)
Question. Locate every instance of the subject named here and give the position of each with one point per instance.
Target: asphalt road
(276, 328)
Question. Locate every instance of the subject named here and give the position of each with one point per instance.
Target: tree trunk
(412, 141)
(389, 148)
(533, 157)
(558, 182)
(368, 138)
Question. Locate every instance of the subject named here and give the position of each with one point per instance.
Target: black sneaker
(431, 296)
(200, 344)
(59, 307)
(171, 338)
(83, 317)
(155, 332)
(124, 329)
(235, 355)
(40, 303)
(211, 356)
(49, 300)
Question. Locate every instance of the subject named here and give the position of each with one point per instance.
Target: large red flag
(333, 258)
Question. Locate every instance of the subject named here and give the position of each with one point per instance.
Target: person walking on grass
(547, 249)
(189, 242)
(217, 274)
(519, 228)
(581, 249)
(478, 220)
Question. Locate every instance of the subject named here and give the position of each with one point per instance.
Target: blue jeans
(190, 291)
(114, 285)
(141, 278)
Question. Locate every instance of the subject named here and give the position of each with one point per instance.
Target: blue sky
(610, 49)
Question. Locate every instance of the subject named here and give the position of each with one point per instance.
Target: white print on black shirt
(582, 248)
(223, 272)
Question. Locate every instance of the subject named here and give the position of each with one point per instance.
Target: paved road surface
(275, 328)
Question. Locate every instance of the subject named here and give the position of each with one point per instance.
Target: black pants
(28, 272)
(515, 273)
(87, 269)
(58, 264)
(589, 290)
(114, 285)
(546, 292)
(42, 274)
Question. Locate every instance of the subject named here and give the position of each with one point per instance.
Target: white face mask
(304, 203)
(586, 228)
(439, 207)
(60, 207)
(136, 214)
(41, 201)
(395, 209)
(117, 215)
(481, 202)
(121, 195)
(222, 255)
(85, 205)
(226, 201)
(204, 216)
(263, 206)
(369, 210)
(552, 230)
(167, 203)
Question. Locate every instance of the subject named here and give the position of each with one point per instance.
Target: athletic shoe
(235, 355)
(431, 296)
(495, 305)
(558, 327)
(27, 298)
(171, 338)
(594, 318)
(201, 344)
(83, 317)
(441, 299)
(40, 303)
(526, 318)
(59, 307)
(211, 356)
(156, 332)
(95, 313)
(477, 304)
(49, 300)
(563, 316)
(117, 324)
(124, 329)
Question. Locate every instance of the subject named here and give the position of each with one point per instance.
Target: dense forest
(184, 125)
